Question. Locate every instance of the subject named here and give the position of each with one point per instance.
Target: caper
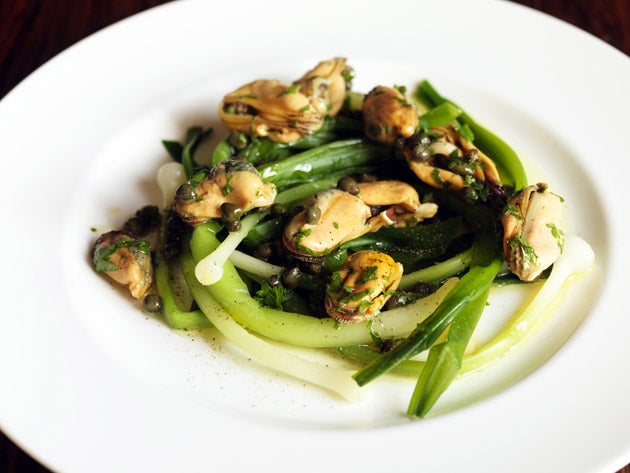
(367, 177)
(422, 288)
(422, 153)
(349, 185)
(186, 192)
(231, 212)
(375, 130)
(419, 138)
(469, 194)
(462, 168)
(398, 299)
(424, 139)
(291, 277)
(312, 214)
(274, 280)
(264, 251)
(314, 267)
(152, 303)
(386, 345)
(233, 225)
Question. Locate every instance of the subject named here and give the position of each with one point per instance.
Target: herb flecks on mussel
(532, 239)
(362, 286)
(440, 158)
(285, 113)
(232, 182)
(343, 216)
(125, 259)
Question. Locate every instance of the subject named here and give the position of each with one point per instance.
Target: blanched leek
(269, 354)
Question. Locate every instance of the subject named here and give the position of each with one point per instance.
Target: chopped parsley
(101, 257)
(227, 189)
(435, 174)
(513, 210)
(558, 234)
(336, 283)
(299, 236)
(369, 274)
(526, 251)
(292, 89)
(272, 296)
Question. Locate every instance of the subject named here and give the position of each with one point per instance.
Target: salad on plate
(363, 227)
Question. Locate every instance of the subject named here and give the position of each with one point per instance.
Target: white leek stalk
(273, 355)
(170, 177)
(209, 270)
(577, 256)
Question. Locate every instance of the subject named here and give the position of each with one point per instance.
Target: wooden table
(32, 31)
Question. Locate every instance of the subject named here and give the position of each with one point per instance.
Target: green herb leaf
(272, 296)
(101, 257)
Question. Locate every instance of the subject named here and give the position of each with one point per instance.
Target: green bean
(474, 283)
(319, 162)
(440, 115)
(264, 150)
(365, 355)
(264, 231)
(261, 150)
(445, 359)
(306, 190)
(333, 129)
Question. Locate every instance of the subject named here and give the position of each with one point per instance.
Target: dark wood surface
(33, 31)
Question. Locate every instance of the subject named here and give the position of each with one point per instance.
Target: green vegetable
(176, 318)
(365, 355)
(445, 359)
(485, 266)
(272, 296)
(261, 150)
(252, 306)
(210, 269)
(233, 295)
(474, 283)
(439, 271)
(303, 191)
(185, 153)
(407, 245)
(443, 114)
(222, 152)
(509, 165)
(319, 162)
(267, 352)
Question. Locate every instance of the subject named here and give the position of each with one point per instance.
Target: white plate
(89, 383)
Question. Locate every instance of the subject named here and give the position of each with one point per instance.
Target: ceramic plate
(91, 383)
